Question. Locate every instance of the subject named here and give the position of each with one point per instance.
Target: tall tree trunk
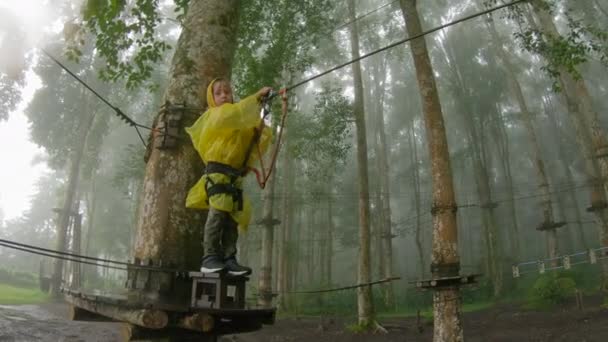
(505, 160)
(563, 159)
(364, 294)
(68, 201)
(536, 153)
(384, 198)
(416, 188)
(167, 232)
(581, 109)
(330, 241)
(285, 229)
(445, 258)
(265, 279)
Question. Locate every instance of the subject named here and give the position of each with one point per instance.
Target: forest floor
(503, 322)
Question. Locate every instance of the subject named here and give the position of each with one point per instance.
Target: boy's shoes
(235, 269)
(212, 264)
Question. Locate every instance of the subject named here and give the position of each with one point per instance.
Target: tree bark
(364, 294)
(416, 188)
(446, 301)
(167, 232)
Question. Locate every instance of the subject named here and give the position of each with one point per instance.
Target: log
(198, 322)
(147, 318)
(78, 314)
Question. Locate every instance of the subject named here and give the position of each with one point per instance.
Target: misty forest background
(504, 109)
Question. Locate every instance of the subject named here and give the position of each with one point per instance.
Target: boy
(222, 136)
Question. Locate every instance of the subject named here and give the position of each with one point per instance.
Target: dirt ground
(501, 323)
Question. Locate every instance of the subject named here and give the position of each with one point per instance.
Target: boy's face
(222, 93)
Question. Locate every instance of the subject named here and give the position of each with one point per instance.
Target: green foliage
(126, 37)
(18, 278)
(321, 139)
(275, 40)
(551, 289)
(564, 52)
(10, 295)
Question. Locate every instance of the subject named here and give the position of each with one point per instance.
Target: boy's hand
(263, 92)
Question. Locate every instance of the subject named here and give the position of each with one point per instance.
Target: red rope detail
(277, 146)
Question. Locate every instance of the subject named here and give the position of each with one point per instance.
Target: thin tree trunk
(511, 207)
(384, 198)
(364, 294)
(330, 241)
(167, 232)
(418, 212)
(284, 232)
(265, 279)
(68, 201)
(563, 158)
(445, 258)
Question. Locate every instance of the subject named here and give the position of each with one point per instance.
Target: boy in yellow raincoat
(222, 136)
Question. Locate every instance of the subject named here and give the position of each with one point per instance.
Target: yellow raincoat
(222, 135)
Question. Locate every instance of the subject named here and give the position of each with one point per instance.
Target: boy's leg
(213, 253)
(230, 236)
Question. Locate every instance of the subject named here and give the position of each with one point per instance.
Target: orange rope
(265, 174)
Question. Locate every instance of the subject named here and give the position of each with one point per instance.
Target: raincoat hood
(210, 99)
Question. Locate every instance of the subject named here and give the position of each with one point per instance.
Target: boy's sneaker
(235, 269)
(212, 264)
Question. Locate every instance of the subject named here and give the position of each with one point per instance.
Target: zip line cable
(75, 257)
(60, 257)
(124, 117)
(339, 27)
(403, 41)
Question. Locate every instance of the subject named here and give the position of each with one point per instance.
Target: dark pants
(221, 234)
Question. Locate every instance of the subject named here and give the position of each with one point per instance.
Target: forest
(438, 169)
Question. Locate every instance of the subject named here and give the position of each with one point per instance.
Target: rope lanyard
(263, 175)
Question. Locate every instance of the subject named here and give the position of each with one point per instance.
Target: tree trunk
(285, 228)
(364, 294)
(265, 279)
(167, 232)
(563, 159)
(506, 166)
(68, 201)
(416, 188)
(445, 258)
(330, 241)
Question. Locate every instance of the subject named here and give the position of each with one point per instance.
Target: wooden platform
(151, 315)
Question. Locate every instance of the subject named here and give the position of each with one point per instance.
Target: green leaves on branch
(125, 37)
(322, 139)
